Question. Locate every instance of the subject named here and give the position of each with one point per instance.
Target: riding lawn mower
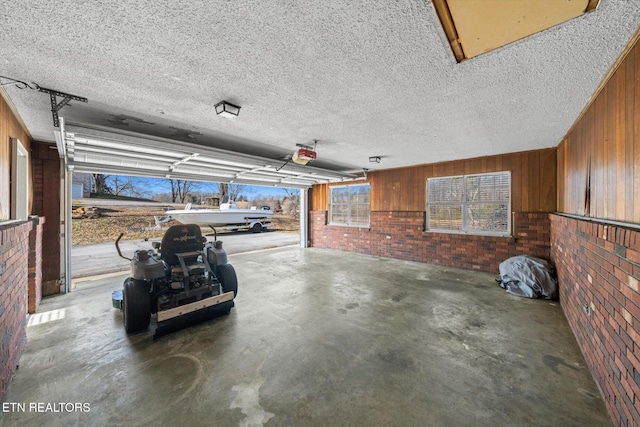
(183, 280)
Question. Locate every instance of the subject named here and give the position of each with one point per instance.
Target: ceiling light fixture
(375, 159)
(226, 109)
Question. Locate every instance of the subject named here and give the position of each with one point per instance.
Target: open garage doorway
(104, 206)
(96, 150)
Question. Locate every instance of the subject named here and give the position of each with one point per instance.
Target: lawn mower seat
(180, 239)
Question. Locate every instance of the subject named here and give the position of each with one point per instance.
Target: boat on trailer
(229, 216)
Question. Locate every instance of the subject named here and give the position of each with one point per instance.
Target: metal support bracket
(53, 94)
(55, 105)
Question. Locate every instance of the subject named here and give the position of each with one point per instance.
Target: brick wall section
(34, 287)
(14, 261)
(599, 265)
(401, 235)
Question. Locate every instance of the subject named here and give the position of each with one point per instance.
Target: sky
(161, 185)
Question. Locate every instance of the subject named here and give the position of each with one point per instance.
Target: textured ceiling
(364, 78)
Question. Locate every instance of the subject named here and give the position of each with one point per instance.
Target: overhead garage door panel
(104, 151)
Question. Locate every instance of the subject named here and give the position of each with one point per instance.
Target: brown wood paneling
(618, 117)
(513, 163)
(533, 182)
(593, 143)
(530, 168)
(10, 127)
(548, 186)
(635, 130)
(629, 71)
(604, 144)
(50, 236)
(610, 152)
(318, 199)
(560, 178)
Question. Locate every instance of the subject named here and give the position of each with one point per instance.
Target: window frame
(349, 206)
(19, 187)
(464, 204)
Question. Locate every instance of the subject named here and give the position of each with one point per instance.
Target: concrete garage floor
(317, 337)
(89, 260)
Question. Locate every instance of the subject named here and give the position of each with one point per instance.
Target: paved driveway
(100, 258)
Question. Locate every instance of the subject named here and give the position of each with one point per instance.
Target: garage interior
(317, 337)
(388, 312)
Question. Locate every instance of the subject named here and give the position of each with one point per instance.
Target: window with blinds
(474, 204)
(350, 205)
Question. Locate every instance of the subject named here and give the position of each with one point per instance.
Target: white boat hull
(218, 217)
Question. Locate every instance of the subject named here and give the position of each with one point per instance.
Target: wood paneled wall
(10, 127)
(599, 159)
(533, 182)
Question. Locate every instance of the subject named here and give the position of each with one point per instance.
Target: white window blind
(475, 204)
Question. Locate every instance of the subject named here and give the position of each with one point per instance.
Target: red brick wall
(14, 261)
(35, 265)
(598, 270)
(401, 235)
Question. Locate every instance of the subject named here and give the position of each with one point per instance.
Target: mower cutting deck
(182, 280)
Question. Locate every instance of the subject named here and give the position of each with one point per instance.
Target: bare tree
(291, 202)
(223, 189)
(238, 191)
(100, 185)
(141, 187)
(234, 191)
(180, 189)
(123, 186)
